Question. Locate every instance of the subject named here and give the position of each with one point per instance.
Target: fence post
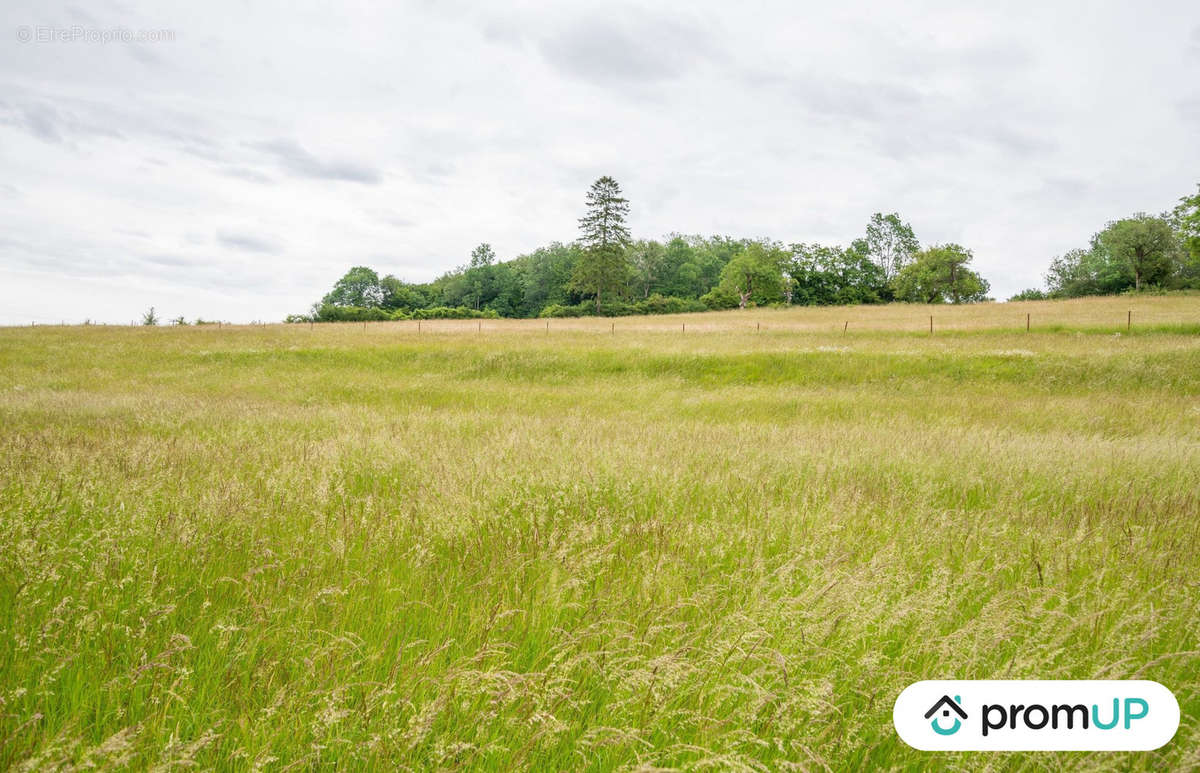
(683, 327)
(479, 327)
(845, 327)
(757, 327)
(613, 328)
(930, 324)
(1129, 321)
(1026, 322)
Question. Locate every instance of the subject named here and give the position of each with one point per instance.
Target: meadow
(718, 541)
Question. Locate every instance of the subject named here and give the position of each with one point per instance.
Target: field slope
(715, 541)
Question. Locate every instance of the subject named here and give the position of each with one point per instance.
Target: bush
(1032, 294)
(655, 304)
(327, 312)
(559, 310)
(717, 299)
(659, 304)
(452, 312)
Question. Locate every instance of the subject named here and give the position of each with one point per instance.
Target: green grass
(281, 547)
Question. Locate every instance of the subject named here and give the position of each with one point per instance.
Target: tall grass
(281, 547)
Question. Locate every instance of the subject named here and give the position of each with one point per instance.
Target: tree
(400, 295)
(1091, 271)
(648, 259)
(547, 277)
(604, 237)
(478, 276)
(834, 275)
(1145, 244)
(150, 318)
(359, 287)
(939, 274)
(483, 255)
(1186, 220)
(755, 274)
(890, 243)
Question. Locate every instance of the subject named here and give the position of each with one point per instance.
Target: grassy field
(716, 541)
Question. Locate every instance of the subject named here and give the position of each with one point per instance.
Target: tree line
(607, 272)
(1138, 253)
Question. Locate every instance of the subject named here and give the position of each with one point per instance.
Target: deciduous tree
(1145, 244)
(890, 243)
(358, 287)
(940, 274)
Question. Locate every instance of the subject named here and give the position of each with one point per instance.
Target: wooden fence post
(930, 324)
(845, 327)
(1129, 321)
(1027, 322)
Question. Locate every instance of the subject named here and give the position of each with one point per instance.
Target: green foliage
(890, 244)
(359, 287)
(940, 274)
(456, 312)
(823, 275)
(1145, 245)
(1133, 254)
(720, 299)
(546, 277)
(648, 259)
(328, 312)
(755, 274)
(150, 318)
(1186, 220)
(1081, 272)
(623, 276)
(402, 296)
(655, 304)
(1031, 294)
(603, 265)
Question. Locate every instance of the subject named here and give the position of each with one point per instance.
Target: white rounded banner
(1036, 715)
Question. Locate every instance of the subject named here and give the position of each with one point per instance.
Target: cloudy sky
(237, 167)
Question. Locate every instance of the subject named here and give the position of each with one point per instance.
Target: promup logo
(1133, 715)
(948, 705)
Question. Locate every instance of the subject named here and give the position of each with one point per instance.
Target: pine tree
(604, 237)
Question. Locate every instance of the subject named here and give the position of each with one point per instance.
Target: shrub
(452, 312)
(660, 304)
(719, 298)
(327, 312)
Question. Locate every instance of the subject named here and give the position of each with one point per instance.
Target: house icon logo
(945, 706)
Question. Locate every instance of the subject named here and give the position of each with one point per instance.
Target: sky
(230, 160)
